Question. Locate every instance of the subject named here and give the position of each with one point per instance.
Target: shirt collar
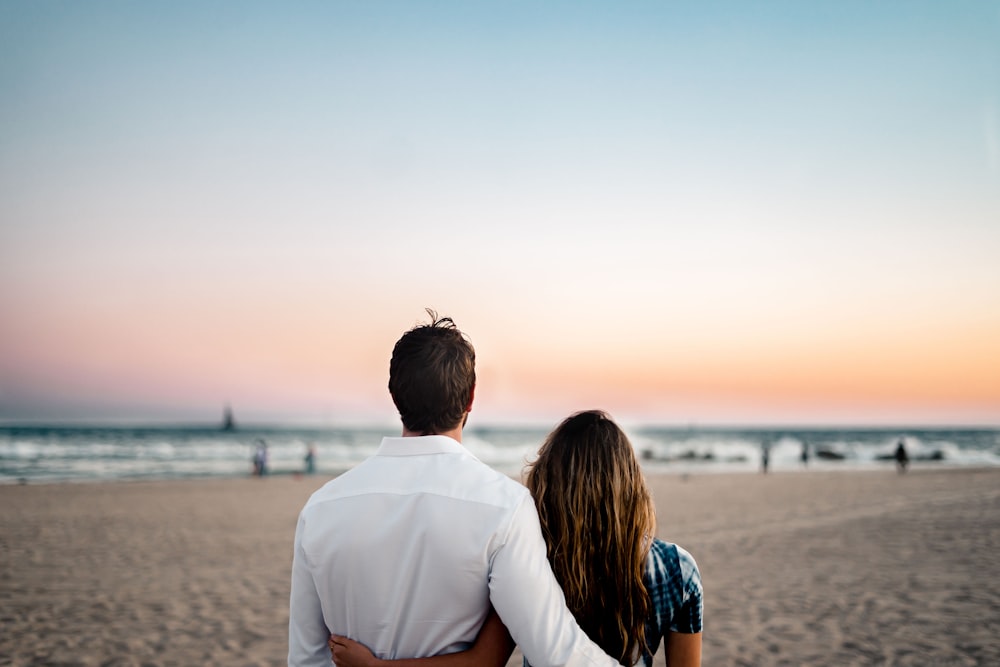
(420, 445)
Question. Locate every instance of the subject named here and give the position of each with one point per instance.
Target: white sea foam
(67, 454)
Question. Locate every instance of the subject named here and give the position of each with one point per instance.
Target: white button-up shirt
(405, 552)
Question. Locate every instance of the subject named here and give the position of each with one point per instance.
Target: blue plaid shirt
(674, 585)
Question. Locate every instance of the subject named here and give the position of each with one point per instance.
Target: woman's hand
(493, 648)
(349, 653)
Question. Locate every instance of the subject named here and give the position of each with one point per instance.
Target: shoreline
(811, 567)
(650, 469)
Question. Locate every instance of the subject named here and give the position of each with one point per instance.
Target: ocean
(56, 454)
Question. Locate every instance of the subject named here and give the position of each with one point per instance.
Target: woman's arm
(492, 648)
(683, 649)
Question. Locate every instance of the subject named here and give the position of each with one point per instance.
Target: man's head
(432, 376)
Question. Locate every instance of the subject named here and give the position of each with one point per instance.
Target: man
(406, 552)
(902, 459)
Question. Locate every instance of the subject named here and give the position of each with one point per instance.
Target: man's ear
(472, 396)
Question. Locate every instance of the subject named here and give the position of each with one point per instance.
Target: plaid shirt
(674, 585)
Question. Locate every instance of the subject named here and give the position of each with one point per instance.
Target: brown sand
(808, 568)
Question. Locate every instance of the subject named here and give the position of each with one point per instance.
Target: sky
(681, 212)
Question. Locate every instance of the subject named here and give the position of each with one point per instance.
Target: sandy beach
(800, 568)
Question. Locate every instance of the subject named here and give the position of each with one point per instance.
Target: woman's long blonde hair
(598, 521)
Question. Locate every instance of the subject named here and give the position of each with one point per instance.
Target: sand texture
(800, 568)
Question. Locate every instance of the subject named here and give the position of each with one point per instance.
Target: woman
(626, 588)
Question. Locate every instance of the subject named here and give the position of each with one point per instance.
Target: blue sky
(657, 188)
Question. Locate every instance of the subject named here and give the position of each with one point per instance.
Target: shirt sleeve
(307, 632)
(530, 602)
(688, 617)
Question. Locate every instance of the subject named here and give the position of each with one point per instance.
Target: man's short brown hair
(432, 375)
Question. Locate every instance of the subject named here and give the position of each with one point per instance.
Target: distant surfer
(805, 453)
(765, 452)
(902, 459)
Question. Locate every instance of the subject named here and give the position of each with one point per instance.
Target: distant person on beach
(765, 453)
(260, 459)
(310, 459)
(628, 589)
(902, 458)
(411, 551)
(805, 453)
